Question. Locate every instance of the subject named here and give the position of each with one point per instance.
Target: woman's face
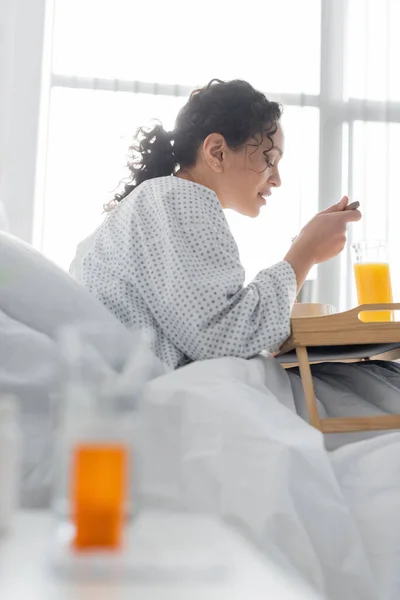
(248, 176)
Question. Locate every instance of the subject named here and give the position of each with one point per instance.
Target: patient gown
(165, 259)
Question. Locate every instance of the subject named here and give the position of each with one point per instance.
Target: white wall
(21, 47)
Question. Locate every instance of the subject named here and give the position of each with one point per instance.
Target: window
(142, 61)
(333, 64)
(163, 42)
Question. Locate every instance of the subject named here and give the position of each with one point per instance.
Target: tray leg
(308, 386)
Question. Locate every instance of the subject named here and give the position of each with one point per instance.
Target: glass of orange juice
(372, 275)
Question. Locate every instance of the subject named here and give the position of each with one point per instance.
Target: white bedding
(222, 436)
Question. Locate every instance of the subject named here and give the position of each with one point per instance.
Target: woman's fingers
(351, 216)
(337, 207)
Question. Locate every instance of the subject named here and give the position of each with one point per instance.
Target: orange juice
(98, 495)
(373, 287)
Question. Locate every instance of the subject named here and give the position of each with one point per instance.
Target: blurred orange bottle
(99, 487)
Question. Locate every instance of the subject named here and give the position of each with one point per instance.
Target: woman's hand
(321, 239)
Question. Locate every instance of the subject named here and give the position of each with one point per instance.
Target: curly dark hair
(233, 109)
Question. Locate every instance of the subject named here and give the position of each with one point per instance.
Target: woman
(223, 435)
(165, 258)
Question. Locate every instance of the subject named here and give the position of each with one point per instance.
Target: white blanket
(223, 436)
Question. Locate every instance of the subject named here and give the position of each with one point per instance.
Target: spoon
(352, 206)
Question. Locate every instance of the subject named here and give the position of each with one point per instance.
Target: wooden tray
(341, 330)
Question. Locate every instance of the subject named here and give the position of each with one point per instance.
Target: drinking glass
(372, 276)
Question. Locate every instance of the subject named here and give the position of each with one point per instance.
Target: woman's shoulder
(183, 191)
(183, 199)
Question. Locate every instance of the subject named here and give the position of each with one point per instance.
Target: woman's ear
(213, 150)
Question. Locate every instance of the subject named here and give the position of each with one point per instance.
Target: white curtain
(372, 109)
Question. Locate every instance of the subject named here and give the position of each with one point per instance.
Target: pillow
(36, 292)
(36, 299)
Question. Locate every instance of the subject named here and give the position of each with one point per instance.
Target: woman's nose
(275, 179)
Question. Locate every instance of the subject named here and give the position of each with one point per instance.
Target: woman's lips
(264, 198)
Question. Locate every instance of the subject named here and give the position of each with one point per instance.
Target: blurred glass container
(102, 373)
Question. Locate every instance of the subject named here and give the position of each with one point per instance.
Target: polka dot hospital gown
(165, 259)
